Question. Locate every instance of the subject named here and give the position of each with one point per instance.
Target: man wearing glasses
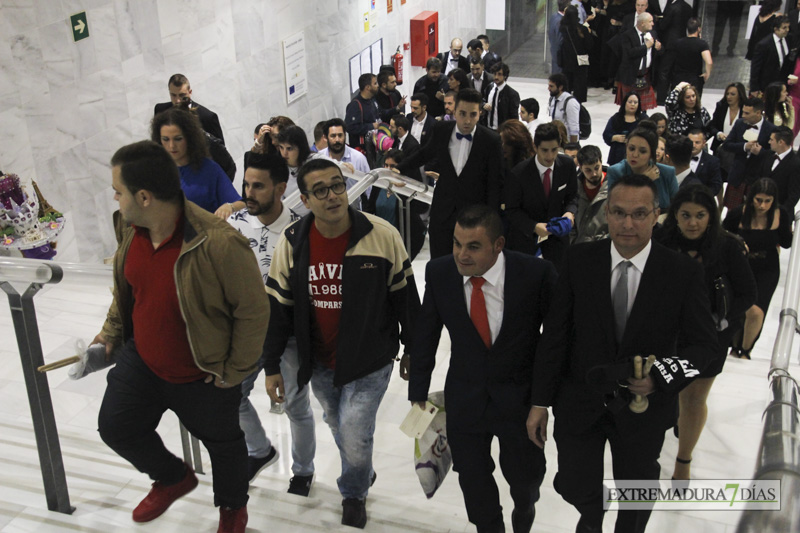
(616, 299)
(341, 282)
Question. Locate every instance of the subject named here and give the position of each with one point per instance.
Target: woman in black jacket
(573, 56)
(693, 227)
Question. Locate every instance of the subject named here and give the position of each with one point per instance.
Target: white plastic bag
(432, 457)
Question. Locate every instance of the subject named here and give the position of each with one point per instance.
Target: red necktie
(477, 311)
(546, 183)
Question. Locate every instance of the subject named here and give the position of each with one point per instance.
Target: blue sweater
(666, 184)
(209, 187)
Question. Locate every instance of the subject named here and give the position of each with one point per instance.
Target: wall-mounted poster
(294, 66)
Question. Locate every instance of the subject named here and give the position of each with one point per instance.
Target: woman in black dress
(765, 227)
(692, 227)
(762, 26)
(576, 43)
(620, 125)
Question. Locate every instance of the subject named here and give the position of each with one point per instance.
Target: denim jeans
(136, 398)
(350, 411)
(297, 407)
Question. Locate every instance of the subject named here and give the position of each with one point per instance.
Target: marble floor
(104, 488)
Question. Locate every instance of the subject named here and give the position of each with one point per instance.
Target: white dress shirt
(416, 128)
(780, 46)
(757, 128)
(496, 90)
(450, 63)
(780, 157)
(694, 163)
(682, 176)
(634, 273)
(459, 149)
(492, 293)
(401, 141)
(573, 112)
(542, 169)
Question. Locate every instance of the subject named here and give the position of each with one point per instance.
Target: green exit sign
(79, 25)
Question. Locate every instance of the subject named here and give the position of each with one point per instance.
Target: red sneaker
(232, 520)
(161, 497)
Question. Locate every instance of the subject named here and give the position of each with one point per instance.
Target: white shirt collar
(682, 176)
(455, 130)
(784, 154)
(638, 260)
(422, 120)
(492, 276)
(541, 168)
(277, 226)
(403, 139)
(500, 87)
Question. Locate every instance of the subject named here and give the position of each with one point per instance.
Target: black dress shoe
(522, 519)
(586, 526)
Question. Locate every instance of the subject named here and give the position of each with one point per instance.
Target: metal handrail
(779, 451)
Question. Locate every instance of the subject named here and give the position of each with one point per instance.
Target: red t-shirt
(592, 193)
(158, 327)
(325, 288)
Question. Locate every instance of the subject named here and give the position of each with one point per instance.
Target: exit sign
(79, 25)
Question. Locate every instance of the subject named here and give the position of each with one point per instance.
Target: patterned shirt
(262, 238)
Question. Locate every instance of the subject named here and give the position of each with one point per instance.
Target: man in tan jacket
(189, 323)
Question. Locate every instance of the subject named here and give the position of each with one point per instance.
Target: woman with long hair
(640, 154)
(576, 43)
(686, 112)
(765, 227)
(778, 105)
(620, 125)
(516, 141)
(202, 180)
(293, 146)
(693, 227)
(661, 150)
(726, 112)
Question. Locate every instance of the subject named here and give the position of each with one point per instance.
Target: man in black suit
(470, 162)
(771, 61)
(543, 187)
(637, 49)
(492, 302)
(783, 167)
(502, 103)
(421, 121)
(626, 296)
(180, 93)
(489, 58)
(672, 25)
(748, 140)
(794, 25)
(453, 58)
(705, 166)
(480, 79)
(400, 127)
(434, 86)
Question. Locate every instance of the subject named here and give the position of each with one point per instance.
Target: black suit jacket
(490, 59)
(486, 86)
(507, 106)
(766, 67)
(478, 183)
(673, 26)
(463, 62)
(498, 378)
(787, 176)
(744, 167)
(708, 172)
(426, 128)
(629, 47)
(208, 119)
(670, 319)
(794, 28)
(526, 205)
(718, 121)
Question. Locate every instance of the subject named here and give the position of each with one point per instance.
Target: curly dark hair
(189, 124)
(712, 240)
(516, 136)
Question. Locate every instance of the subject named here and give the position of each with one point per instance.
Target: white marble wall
(65, 107)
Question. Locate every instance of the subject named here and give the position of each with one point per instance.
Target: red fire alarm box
(424, 37)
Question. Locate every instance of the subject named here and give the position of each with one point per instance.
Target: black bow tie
(751, 127)
(468, 136)
(454, 59)
(696, 158)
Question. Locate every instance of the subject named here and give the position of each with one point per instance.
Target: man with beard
(337, 150)
(363, 114)
(564, 106)
(590, 218)
(262, 223)
(389, 99)
(434, 86)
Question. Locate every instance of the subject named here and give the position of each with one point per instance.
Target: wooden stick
(59, 364)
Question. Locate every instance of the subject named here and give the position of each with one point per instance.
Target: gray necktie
(620, 300)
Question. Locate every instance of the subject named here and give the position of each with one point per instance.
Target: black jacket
(766, 67)
(208, 119)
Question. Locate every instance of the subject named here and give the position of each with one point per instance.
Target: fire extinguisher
(397, 63)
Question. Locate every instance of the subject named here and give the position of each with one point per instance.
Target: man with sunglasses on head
(342, 283)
